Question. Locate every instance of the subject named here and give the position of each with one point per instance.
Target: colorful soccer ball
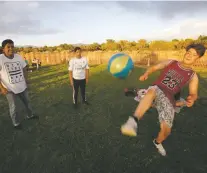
(120, 65)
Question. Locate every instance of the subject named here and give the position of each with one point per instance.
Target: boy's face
(78, 53)
(190, 57)
(9, 49)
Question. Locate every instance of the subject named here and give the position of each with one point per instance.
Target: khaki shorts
(164, 107)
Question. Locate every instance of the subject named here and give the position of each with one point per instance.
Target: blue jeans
(12, 100)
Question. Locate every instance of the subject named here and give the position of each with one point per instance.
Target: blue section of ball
(125, 67)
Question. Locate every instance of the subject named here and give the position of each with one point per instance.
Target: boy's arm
(87, 71)
(25, 74)
(70, 68)
(180, 103)
(1, 86)
(71, 77)
(157, 67)
(154, 68)
(87, 75)
(2, 89)
(193, 91)
(24, 68)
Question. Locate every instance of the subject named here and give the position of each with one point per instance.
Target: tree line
(122, 45)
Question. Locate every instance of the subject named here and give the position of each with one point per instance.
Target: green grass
(88, 140)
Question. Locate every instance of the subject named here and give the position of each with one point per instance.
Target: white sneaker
(160, 148)
(16, 124)
(129, 128)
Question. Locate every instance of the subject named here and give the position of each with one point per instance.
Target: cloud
(18, 18)
(165, 9)
(186, 29)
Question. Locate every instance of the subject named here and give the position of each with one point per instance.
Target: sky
(53, 23)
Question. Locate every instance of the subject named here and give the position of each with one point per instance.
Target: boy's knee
(152, 92)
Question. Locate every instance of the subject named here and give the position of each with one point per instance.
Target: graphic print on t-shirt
(14, 72)
(79, 66)
(172, 79)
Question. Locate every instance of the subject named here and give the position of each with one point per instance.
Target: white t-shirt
(78, 66)
(11, 73)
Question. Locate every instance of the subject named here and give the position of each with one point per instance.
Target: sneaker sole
(128, 132)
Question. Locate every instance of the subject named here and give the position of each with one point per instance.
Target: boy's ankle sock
(135, 118)
(156, 142)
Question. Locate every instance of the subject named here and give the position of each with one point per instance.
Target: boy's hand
(143, 77)
(190, 101)
(180, 103)
(86, 80)
(4, 91)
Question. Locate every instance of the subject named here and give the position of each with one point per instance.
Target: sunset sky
(53, 23)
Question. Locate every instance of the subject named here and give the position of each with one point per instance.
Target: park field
(88, 140)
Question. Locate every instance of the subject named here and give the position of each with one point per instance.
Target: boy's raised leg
(130, 127)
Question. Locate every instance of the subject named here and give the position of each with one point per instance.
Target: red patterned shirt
(173, 78)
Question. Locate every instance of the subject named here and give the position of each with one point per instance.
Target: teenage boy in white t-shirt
(13, 81)
(78, 75)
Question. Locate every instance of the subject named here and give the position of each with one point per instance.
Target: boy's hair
(5, 42)
(200, 49)
(77, 48)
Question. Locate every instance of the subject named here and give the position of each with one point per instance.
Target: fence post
(148, 62)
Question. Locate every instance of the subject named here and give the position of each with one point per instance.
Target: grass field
(88, 140)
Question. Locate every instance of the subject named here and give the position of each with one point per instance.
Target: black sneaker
(130, 92)
(86, 103)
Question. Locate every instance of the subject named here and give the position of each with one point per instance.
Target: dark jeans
(76, 84)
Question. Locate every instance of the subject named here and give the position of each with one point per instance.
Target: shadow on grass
(49, 77)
